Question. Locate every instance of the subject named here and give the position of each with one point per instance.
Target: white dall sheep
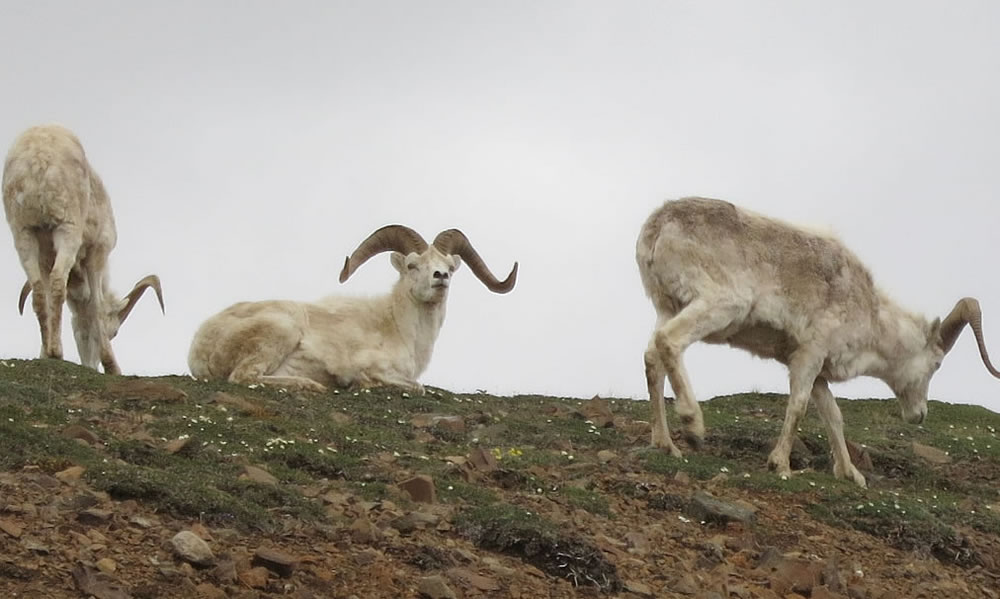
(721, 274)
(342, 341)
(63, 228)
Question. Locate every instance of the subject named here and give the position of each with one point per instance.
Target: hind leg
(66, 239)
(672, 336)
(29, 252)
(255, 350)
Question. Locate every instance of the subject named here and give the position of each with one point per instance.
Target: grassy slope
(351, 437)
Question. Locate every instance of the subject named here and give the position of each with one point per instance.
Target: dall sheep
(721, 274)
(64, 230)
(343, 341)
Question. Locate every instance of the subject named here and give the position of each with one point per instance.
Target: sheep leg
(66, 239)
(29, 252)
(830, 412)
(803, 368)
(258, 349)
(693, 323)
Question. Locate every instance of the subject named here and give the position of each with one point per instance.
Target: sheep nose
(438, 274)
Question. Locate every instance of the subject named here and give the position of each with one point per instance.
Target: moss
(588, 500)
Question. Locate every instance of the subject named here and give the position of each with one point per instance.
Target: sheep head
(426, 269)
(117, 310)
(940, 338)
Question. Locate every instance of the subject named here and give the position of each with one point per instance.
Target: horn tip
(345, 272)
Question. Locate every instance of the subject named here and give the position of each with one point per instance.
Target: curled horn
(966, 311)
(24, 296)
(137, 291)
(396, 238)
(455, 242)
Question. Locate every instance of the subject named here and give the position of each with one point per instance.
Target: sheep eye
(411, 266)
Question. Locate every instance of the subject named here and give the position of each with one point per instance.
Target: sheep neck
(417, 323)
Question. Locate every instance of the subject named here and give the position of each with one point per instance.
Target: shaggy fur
(339, 341)
(722, 274)
(64, 230)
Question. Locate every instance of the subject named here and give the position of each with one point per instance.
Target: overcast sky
(249, 146)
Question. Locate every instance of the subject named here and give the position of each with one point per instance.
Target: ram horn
(149, 281)
(966, 311)
(396, 238)
(25, 291)
(455, 242)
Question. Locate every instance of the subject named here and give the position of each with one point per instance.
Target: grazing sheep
(721, 274)
(341, 341)
(63, 229)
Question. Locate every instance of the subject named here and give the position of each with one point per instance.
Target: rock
(177, 445)
(11, 528)
(703, 507)
(454, 424)
(234, 401)
(470, 578)
(75, 431)
(860, 456)
(225, 571)
(255, 578)
(637, 543)
(107, 565)
(137, 389)
(637, 588)
(931, 454)
(363, 531)
(276, 561)
(597, 411)
(824, 593)
(94, 517)
(71, 474)
(435, 587)
(684, 584)
(258, 475)
(606, 455)
(96, 584)
(420, 488)
(192, 548)
(207, 590)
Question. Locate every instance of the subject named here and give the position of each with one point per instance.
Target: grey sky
(249, 146)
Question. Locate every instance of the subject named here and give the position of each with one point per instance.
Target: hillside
(378, 493)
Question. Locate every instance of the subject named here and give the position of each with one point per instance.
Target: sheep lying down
(342, 341)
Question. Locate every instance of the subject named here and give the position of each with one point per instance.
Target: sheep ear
(934, 333)
(457, 260)
(398, 261)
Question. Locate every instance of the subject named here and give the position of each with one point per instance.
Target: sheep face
(426, 275)
(913, 377)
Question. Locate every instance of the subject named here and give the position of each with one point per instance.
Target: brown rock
(420, 488)
(75, 431)
(144, 390)
(860, 456)
(598, 411)
(639, 588)
(177, 445)
(931, 454)
(435, 587)
(71, 474)
(106, 565)
(11, 528)
(824, 593)
(234, 401)
(255, 578)
(274, 560)
(606, 455)
(97, 584)
(258, 475)
(94, 517)
(225, 571)
(470, 578)
(363, 531)
(637, 543)
(207, 590)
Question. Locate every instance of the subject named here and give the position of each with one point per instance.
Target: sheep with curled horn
(344, 341)
(721, 274)
(64, 230)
